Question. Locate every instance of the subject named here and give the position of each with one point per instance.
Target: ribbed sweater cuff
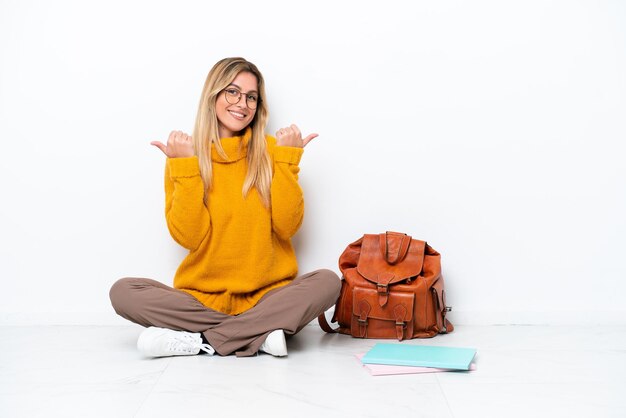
(289, 155)
(183, 167)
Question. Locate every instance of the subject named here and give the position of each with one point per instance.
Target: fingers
(291, 131)
(288, 130)
(172, 137)
(296, 131)
(179, 145)
(292, 136)
(178, 137)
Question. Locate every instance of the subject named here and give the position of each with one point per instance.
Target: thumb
(160, 146)
(309, 139)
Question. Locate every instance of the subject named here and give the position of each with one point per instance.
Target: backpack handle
(395, 246)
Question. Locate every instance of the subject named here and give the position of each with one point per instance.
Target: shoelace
(207, 349)
(188, 344)
(187, 337)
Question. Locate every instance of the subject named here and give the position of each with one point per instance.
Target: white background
(493, 130)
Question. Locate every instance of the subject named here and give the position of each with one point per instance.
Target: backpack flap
(390, 258)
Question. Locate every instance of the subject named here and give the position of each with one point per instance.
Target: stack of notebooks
(385, 359)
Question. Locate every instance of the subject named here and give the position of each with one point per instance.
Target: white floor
(523, 371)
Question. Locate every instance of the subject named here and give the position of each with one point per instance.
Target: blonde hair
(206, 132)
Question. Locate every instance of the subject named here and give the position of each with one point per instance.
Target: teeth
(238, 115)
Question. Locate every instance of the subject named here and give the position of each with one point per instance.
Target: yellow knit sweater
(238, 249)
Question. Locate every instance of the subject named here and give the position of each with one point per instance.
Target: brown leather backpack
(392, 288)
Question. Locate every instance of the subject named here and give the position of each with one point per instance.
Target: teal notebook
(456, 358)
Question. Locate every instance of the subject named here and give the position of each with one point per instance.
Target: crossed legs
(290, 308)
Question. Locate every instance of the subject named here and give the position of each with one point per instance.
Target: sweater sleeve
(187, 217)
(287, 198)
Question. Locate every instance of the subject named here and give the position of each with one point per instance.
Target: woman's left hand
(292, 137)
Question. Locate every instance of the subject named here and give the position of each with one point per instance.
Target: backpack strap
(324, 324)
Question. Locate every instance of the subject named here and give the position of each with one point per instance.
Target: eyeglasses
(233, 96)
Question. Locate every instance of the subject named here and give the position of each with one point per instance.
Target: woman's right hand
(179, 145)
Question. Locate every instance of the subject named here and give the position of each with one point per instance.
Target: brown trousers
(291, 307)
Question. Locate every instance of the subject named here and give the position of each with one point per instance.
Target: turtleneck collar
(236, 147)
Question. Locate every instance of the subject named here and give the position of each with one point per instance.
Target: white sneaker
(163, 342)
(275, 344)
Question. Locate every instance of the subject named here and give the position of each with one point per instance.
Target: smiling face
(234, 118)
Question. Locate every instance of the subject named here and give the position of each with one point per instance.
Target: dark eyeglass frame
(239, 94)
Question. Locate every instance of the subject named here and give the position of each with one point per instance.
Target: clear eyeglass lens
(233, 96)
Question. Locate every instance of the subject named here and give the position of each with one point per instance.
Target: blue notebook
(455, 358)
